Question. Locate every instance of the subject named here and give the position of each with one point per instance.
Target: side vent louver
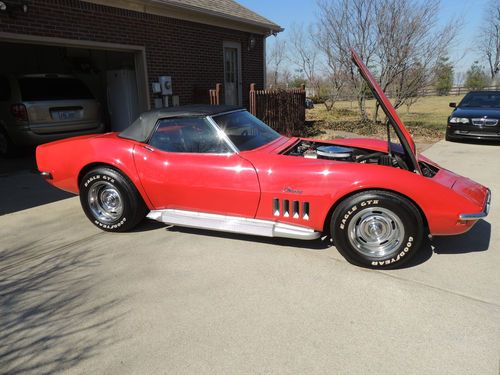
(295, 209)
(298, 209)
(286, 208)
(276, 207)
(305, 210)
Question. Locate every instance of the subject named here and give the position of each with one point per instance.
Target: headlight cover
(459, 120)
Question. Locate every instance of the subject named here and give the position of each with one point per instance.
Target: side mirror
(453, 105)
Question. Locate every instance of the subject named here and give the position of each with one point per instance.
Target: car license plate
(67, 115)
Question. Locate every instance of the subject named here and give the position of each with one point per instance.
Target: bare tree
(398, 39)
(409, 46)
(303, 53)
(489, 41)
(334, 70)
(335, 87)
(286, 77)
(459, 78)
(275, 58)
(342, 25)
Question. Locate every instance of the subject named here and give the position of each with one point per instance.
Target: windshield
(245, 131)
(481, 99)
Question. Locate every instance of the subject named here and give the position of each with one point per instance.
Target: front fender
(322, 184)
(440, 204)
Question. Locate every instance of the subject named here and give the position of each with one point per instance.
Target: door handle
(150, 149)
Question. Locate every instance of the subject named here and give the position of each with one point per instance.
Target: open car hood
(400, 129)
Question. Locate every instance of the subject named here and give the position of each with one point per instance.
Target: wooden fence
(429, 91)
(283, 110)
(200, 95)
(215, 94)
(456, 90)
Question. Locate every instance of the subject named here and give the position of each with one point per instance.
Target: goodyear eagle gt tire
(111, 201)
(377, 229)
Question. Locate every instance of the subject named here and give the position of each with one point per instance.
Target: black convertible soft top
(141, 129)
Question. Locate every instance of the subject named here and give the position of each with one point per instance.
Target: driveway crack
(441, 289)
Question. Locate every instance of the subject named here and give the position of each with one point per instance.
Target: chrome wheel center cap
(110, 198)
(375, 228)
(105, 202)
(376, 232)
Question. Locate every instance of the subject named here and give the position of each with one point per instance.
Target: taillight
(19, 112)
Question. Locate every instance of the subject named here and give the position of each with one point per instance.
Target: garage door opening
(114, 74)
(110, 76)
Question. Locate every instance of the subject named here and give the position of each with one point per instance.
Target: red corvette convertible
(220, 168)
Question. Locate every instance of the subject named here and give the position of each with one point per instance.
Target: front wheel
(111, 201)
(377, 229)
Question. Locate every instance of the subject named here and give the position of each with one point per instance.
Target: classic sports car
(220, 168)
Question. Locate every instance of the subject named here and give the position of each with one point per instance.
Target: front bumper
(454, 131)
(479, 215)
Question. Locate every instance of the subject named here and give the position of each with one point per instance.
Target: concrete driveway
(181, 301)
(21, 186)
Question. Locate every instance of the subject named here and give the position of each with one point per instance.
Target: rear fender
(69, 159)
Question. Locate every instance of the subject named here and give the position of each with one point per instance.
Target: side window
(4, 89)
(193, 135)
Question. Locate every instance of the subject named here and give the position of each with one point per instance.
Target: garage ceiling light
(3, 6)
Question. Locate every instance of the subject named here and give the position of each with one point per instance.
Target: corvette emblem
(288, 189)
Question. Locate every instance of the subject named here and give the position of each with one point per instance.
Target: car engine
(317, 150)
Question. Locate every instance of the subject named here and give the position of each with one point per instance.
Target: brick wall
(190, 52)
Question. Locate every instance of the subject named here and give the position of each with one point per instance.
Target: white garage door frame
(139, 52)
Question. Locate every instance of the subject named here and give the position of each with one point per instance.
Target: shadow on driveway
(21, 187)
(318, 244)
(49, 318)
(475, 240)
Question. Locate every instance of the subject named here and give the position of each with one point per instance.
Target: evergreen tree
(444, 76)
(476, 78)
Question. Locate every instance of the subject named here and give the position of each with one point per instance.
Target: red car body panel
(247, 184)
(67, 158)
(217, 183)
(322, 183)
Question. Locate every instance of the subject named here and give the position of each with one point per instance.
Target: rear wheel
(111, 201)
(377, 229)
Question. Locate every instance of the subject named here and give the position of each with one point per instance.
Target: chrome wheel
(105, 202)
(376, 232)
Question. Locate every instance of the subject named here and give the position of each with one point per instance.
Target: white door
(232, 73)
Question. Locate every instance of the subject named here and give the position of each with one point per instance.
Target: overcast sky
(467, 13)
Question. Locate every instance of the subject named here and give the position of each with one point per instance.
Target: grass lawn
(426, 119)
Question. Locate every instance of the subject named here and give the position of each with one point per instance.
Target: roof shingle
(226, 9)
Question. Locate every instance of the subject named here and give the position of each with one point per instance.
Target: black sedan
(476, 117)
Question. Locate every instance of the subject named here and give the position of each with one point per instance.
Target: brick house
(197, 43)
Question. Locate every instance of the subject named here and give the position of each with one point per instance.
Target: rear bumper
(24, 136)
(479, 215)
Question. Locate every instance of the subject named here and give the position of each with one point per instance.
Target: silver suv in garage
(39, 108)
